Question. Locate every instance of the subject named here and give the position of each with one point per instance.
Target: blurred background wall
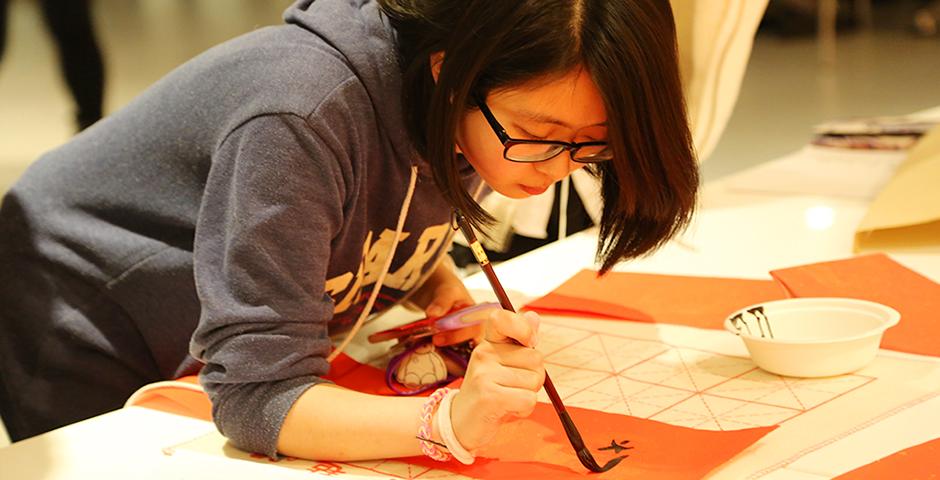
(140, 41)
(888, 67)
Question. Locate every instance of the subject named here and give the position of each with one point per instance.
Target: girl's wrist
(460, 422)
(436, 433)
(443, 420)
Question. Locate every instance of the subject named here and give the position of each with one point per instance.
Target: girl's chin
(533, 190)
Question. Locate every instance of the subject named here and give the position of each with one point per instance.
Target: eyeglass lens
(536, 152)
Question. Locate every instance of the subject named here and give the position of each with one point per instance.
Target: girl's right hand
(502, 378)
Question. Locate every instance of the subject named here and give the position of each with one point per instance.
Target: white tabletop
(739, 231)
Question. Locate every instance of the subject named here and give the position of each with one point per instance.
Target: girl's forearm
(333, 423)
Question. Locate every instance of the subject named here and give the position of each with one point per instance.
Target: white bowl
(812, 337)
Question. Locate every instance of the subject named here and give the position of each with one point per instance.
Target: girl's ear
(437, 59)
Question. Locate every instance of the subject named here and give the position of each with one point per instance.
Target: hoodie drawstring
(564, 191)
(402, 215)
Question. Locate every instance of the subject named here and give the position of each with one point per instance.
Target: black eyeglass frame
(509, 142)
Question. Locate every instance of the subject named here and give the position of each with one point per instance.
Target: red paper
(920, 462)
(701, 302)
(879, 279)
(348, 373)
(536, 447)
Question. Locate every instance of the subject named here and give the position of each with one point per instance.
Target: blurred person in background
(927, 18)
(70, 23)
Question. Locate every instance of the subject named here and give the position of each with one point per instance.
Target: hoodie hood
(360, 32)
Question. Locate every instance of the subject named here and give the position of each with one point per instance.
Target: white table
(735, 234)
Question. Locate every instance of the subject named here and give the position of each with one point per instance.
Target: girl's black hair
(629, 49)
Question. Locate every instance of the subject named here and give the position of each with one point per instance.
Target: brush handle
(504, 302)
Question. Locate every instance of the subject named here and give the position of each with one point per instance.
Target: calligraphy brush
(574, 437)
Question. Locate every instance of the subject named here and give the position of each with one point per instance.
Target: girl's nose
(557, 168)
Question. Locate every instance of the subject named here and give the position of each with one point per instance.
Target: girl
(288, 183)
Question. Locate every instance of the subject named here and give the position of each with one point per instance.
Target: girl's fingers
(511, 355)
(504, 326)
(520, 378)
(509, 365)
(447, 299)
(517, 401)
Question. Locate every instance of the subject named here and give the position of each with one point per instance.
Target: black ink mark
(617, 447)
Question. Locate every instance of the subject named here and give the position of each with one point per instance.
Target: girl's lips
(533, 190)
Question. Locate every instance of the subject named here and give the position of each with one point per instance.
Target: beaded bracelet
(429, 447)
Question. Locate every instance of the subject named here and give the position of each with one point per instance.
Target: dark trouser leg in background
(71, 26)
(3, 27)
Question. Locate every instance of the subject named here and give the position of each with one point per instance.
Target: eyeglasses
(530, 151)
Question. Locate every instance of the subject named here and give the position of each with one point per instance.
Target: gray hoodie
(240, 210)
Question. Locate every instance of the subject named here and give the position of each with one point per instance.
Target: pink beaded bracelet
(428, 447)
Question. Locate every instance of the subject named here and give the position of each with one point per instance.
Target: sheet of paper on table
(676, 375)
(705, 301)
(832, 172)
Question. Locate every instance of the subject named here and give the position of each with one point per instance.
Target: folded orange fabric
(177, 400)
(701, 302)
(344, 371)
(920, 462)
(880, 279)
(536, 447)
